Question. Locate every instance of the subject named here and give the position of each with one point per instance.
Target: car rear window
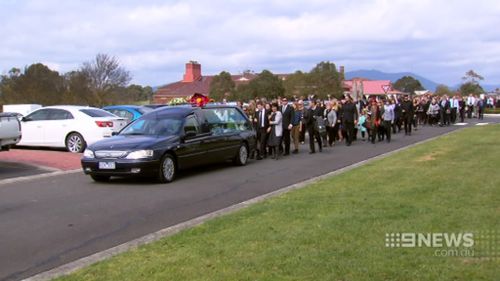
(144, 110)
(97, 113)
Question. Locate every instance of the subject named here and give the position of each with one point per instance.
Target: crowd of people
(281, 125)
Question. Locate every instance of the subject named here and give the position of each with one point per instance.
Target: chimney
(193, 72)
(341, 71)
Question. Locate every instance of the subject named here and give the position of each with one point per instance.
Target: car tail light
(104, 124)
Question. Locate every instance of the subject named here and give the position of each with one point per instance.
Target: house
(194, 82)
(358, 87)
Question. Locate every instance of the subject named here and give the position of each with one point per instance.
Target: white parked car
(73, 127)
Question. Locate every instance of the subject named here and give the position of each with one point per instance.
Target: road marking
(461, 124)
(40, 176)
(169, 231)
(481, 124)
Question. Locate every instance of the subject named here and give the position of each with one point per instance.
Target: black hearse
(168, 139)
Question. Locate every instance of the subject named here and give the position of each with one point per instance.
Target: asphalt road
(51, 221)
(10, 170)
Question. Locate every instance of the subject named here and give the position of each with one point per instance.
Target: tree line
(322, 81)
(470, 85)
(99, 82)
(103, 81)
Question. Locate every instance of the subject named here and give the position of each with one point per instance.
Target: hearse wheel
(241, 157)
(168, 169)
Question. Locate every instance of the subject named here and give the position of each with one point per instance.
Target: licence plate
(107, 165)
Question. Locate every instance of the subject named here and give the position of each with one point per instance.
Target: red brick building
(193, 82)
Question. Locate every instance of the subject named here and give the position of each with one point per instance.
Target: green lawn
(492, 110)
(335, 229)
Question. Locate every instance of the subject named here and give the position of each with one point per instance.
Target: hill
(379, 75)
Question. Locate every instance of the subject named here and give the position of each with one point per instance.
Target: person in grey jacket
(331, 121)
(433, 112)
(388, 118)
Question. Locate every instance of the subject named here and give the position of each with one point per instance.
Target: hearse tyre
(241, 157)
(168, 169)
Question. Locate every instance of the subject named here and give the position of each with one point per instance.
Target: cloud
(153, 39)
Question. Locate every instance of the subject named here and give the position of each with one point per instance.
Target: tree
(266, 84)
(7, 86)
(221, 86)
(472, 77)
(471, 88)
(105, 75)
(78, 89)
(442, 90)
(325, 79)
(37, 84)
(470, 83)
(297, 84)
(408, 84)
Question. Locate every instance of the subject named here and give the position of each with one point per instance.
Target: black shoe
(320, 150)
(259, 158)
(286, 154)
(296, 151)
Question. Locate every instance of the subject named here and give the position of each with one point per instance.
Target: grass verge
(492, 111)
(335, 229)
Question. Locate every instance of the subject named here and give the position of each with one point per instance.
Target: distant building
(358, 87)
(194, 82)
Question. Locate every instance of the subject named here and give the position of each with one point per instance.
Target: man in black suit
(444, 109)
(311, 114)
(407, 112)
(287, 115)
(350, 119)
(262, 123)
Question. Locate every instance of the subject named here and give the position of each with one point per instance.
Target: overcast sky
(438, 39)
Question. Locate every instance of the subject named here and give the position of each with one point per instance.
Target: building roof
(201, 86)
(185, 89)
(371, 87)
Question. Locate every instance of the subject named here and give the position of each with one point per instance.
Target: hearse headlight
(88, 154)
(140, 154)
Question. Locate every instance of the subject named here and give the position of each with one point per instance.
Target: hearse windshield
(153, 124)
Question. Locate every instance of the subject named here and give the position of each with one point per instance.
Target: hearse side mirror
(114, 133)
(25, 119)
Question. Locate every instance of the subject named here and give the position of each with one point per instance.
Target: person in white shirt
(454, 108)
(470, 105)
